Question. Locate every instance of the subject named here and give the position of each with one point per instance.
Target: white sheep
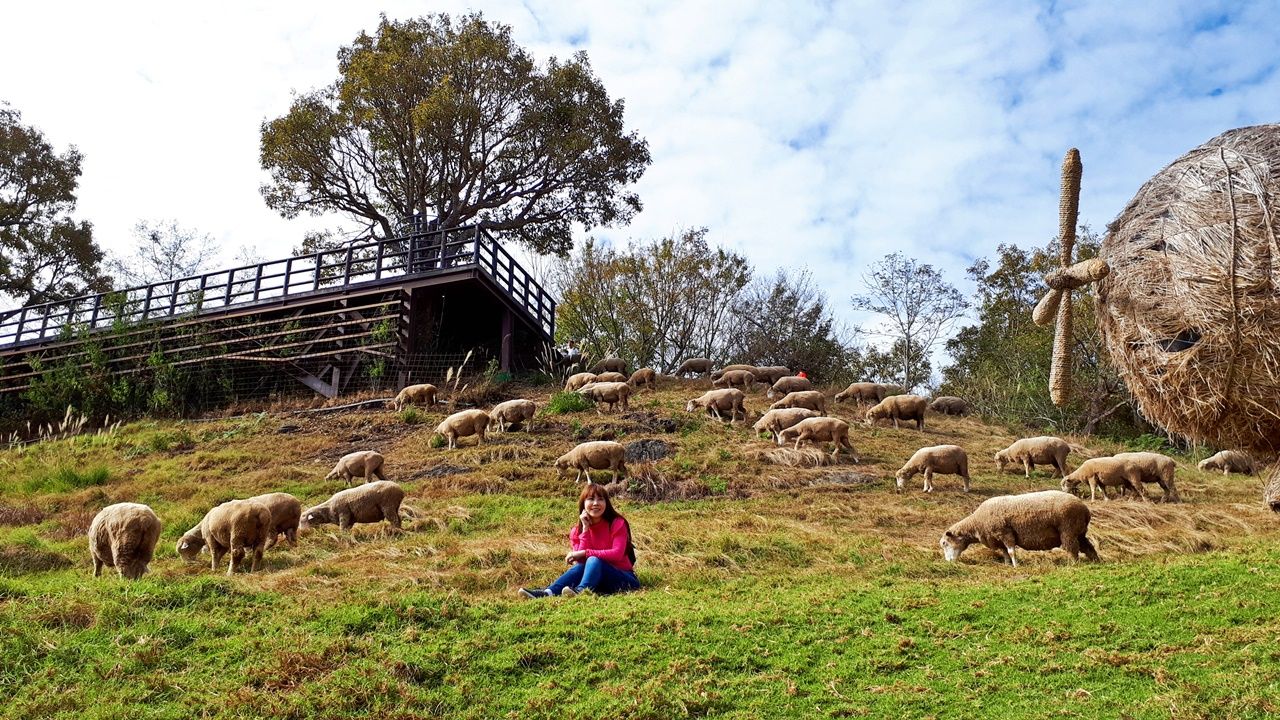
(1045, 450)
(1032, 521)
(235, 526)
(787, 385)
(862, 392)
(286, 511)
(424, 394)
(811, 399)
(365, 464)
(718, 402)
(511, 412)
(698, 366)
(819, 430)
(595, 455)
(717, 374)
(610, 364)
(610, 377)
(369, 503)
(611, 393)
(899, 407)
(123, 536)
(744, 379)
(462, 424)
(577, 380)
(939, 459)
(645, 376)
(1155, 468)
(1229, 461)
(1105, 472)
(949, 405)
(775, 421)
(771, 374)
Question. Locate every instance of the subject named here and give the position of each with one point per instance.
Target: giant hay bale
(1191, 308)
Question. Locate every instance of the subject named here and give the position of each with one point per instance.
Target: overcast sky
(803, 134)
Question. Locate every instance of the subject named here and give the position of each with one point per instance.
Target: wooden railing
(269, 283)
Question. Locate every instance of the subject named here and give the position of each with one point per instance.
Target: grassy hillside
(771, 590)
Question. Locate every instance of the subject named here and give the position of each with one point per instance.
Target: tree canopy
(785, 320)
(453, 119)
(163, 250)
(45, 255)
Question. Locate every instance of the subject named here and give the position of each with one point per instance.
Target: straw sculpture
(1190, 307)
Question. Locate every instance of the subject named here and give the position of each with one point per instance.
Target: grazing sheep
(1045, 450)
(612, 393)
(715, 375)
(812, 399)
(940, 459)
(771, 374)
(744, 379)
(369, 503)
(899, 407)
(464, 423)
(578, 380)
(511, 412)
(238, 526)
(123, 536)
(366, 464)
(1271, 491)
(647, 377)
(1229, 461)
(596, 455)
(788, 385)
(698, 366)
(820, 429)
(423, 394)
(949, 405)
(610, 364)
(775, 421)
(286, 510)
(1032, 521)
(1102, 473)
(1155, 468)
(862, 392)
(717, 402)
(611, 377)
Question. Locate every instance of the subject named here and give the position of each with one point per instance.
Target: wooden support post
(508, 331)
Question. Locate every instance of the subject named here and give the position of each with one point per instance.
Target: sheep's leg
(379, 474)
(1026, 467)
(257, 558)
(1087, 547)
(928, 479)
(292, 536)
(1071, 546)
(895, 422)
(345, 521)
(392, 514)
(272, 537)
(967, 481)
(237, 555)
(1013, 559)
(97, 567)
(216, 552)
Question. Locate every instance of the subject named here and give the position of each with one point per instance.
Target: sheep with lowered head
(576, 381)
(719, 402)
(697, 366)
(1105, 472)
(365, 464)
(716, 374)
(610, 364)
(421, 394)
(819, 430)
(775, 421)
(1154, 468)
(899, 407)
(610, 393)
(812, 399)
(611, 377)
(235, 526)
(949, 405)
(770, 374)
(286, 511)
(862, 392)
(508, 413)
(464, 423)
(368, 503)
(1044, 450)
(940, 459)
(595, 455)
(744, 379)
(123, 536)
(647, 377)
(787, 385)
(1229, 461)
(1032, 521)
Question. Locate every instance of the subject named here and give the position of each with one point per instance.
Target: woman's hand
(584, 520)
(575, 557)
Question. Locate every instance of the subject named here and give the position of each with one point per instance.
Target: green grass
(785, 593)
(562, 403)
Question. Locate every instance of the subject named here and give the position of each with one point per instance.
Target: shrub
(567, 402)
(412, 416)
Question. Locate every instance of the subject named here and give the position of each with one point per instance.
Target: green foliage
(45, 255)
(436, 442)
(412, 416)
(66, 479)
(567, 402)
(446, 117)
(784, 320)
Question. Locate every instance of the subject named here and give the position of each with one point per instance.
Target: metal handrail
(424, 253)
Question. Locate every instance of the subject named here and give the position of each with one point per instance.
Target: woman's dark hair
(594, 490)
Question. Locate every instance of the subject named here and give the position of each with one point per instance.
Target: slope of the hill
(771, 590)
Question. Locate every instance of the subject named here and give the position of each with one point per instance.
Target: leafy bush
(567, 402)
(412, 416)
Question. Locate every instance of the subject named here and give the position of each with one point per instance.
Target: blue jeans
(597, 576)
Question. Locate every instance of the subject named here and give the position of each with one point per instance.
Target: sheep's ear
(949, 534)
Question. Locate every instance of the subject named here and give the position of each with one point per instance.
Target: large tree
(163, 250)
(918, 306)
(454, 120)
(45, 255)
(784, 320)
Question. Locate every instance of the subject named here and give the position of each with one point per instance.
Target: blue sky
(819, 134)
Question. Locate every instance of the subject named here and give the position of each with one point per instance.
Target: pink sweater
(607, 541)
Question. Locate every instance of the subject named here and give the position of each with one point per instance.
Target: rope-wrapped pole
(1068, 212)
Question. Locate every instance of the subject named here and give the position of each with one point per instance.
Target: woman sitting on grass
(602, 558)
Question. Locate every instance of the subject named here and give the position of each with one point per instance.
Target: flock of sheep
(124, 535)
